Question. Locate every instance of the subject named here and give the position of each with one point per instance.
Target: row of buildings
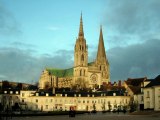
(84, 87)
(140, 93)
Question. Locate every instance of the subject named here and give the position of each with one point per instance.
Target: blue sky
(50, 22)
(35, 34)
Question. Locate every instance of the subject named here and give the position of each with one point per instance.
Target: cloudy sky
(35, 34)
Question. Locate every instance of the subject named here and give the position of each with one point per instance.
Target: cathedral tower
(80, 59)
(101, 60)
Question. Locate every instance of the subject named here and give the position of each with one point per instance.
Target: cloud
(137, 60)
(21, 65)
(132, 61)
(8, 24)
(131, 21)
(132, 17)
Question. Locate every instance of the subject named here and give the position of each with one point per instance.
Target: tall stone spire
(81, 33)
(101, 54)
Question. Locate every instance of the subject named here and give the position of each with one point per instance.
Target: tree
(94, 108)
(109, 105)
(19, 86)
(103, 106)
(132, 105)
(5, 85)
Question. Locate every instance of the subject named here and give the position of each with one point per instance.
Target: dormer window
(37, 94)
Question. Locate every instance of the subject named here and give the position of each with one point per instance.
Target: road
(93, 117)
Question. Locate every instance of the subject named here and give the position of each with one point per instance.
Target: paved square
(93, 117)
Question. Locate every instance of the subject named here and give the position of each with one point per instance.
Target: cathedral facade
(83, 74)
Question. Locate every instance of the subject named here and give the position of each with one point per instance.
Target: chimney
(119, 83)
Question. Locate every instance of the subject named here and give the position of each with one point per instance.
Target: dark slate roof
(135, 81)
(32, 87)
(135, 84)
(154, 82)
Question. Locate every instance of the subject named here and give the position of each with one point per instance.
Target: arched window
(80, 72)
(84, 72)
(82, 48)
(82, 57)
(100, 67)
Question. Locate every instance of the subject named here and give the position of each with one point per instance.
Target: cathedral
(82, 74)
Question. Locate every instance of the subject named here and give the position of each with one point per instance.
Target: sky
(35, 34)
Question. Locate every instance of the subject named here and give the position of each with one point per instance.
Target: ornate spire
(81, 34)
(101, 54)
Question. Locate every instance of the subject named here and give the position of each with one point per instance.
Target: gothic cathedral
(83, 74)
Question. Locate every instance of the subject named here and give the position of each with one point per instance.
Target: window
(37, 94)
(82, 48)
(148, 104)
(101, 101)
(46, 106)
(148, 94)
(98, 101)
(104, 68)
(36, 100)
(36, 107)
(141, 98)
(122, 100)
(23, 94)
(83, 101)
(51, 100)
(82, 57)
(126, 101)
(80, 72)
